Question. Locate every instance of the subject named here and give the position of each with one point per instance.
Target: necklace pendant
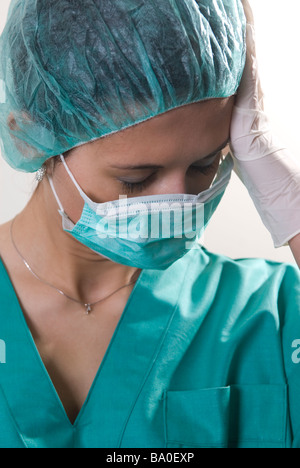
(88, 308)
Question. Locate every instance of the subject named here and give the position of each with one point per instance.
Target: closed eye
(133, 187)
(208, 168)
(130, 187)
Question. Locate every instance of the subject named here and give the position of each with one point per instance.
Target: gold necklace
(88, 306)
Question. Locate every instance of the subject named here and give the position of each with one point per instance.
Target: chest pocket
(253, 416)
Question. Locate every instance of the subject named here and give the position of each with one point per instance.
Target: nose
(174, 183)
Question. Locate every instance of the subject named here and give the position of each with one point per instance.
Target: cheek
(99, 186)
(202, 182)
(106, 189)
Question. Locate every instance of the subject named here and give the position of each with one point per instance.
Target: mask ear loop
(67, 222)
(83, 195)
(61, 209)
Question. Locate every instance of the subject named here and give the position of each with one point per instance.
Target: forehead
(200, 115)
(194, 130)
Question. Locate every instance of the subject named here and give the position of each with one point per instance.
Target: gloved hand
(267, 169)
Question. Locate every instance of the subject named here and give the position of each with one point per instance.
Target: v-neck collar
(32, 398)
(19, 319)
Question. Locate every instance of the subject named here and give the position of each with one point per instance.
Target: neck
(58, 257)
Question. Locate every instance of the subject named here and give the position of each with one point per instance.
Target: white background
(236, 229)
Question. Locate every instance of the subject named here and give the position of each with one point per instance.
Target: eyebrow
(156, 166)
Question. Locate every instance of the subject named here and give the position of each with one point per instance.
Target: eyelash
(130, 187)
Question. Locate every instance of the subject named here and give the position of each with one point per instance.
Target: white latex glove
(268, 170)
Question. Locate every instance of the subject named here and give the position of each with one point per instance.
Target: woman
(114, 337)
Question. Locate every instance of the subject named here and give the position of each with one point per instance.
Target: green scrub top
(206, 354)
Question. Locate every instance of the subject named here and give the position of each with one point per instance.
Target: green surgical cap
(73, 71)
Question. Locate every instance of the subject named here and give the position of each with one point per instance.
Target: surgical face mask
(148, 232)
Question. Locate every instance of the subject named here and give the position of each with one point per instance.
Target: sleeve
(290, 305)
